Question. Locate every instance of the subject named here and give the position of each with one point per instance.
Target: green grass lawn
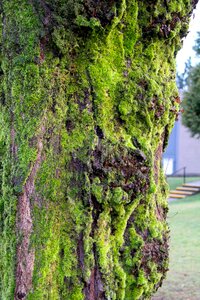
(183, 278)
(177, 181)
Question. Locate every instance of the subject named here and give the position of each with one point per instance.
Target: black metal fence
(179, 173)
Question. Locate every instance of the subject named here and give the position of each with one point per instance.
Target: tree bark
(88, 98)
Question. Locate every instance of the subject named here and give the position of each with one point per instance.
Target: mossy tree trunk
(88, 99)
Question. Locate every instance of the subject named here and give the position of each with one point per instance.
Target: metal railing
(177, 171)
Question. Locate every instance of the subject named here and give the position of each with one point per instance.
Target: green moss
(94, 86)
(82, 21)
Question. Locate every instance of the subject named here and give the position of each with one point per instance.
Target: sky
(189, 41)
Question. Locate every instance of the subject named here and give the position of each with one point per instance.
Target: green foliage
(182, 79)
(191, 102)
(197, 44)
(191, 97)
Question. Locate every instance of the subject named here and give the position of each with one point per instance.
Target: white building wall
(188, 151)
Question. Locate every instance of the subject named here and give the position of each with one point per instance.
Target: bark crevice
(24, 227)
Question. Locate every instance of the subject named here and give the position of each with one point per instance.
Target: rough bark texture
(25, 255)
(88, 99)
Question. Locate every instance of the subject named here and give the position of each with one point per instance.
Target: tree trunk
(88, 99)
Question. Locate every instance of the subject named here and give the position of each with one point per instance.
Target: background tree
(191, 96)
(88, 98)
(181, 79)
